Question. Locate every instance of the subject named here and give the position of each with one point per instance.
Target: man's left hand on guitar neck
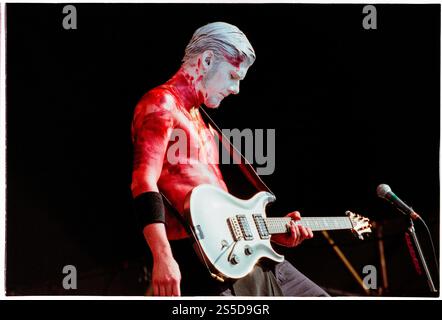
(297, 233)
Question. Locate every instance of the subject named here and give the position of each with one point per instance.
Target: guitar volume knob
(248, 251)
(234, 259)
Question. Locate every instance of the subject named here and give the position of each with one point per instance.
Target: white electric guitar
(233, 234)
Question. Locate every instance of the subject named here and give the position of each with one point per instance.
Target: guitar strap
(245, 166)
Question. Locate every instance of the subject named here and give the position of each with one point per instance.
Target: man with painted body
(216, 59)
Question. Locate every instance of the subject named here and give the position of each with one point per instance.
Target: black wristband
(149, 208)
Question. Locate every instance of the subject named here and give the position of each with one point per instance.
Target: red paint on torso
(159, 112)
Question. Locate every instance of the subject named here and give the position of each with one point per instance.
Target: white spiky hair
(224, 39)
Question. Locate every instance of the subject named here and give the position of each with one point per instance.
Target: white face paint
(222, 81)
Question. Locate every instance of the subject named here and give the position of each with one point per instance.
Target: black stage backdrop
(352, 108)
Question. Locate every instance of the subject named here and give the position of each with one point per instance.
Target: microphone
(384, 191)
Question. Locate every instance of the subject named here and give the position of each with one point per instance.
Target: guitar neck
(279, 225)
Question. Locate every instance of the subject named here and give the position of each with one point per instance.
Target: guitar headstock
(361, 225)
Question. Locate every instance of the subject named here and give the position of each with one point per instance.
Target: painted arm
(151, 131)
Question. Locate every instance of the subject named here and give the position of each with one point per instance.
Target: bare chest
(192, 142)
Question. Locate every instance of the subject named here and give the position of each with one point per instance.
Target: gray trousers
(292, 283)
(197, 282)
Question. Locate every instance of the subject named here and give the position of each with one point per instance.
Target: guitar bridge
(235, 229)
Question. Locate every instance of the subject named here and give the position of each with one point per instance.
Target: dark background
(352, 108)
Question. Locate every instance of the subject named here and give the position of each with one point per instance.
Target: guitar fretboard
(279, 225)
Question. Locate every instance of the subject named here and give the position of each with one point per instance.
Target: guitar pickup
(261, 226)
(245, 227)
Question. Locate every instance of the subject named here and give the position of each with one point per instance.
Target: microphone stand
(412, 232)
